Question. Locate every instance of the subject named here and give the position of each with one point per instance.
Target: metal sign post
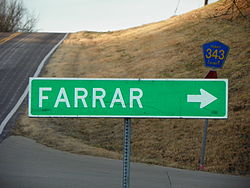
(211, 75)
(126, 153)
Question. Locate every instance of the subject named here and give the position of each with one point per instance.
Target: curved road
(20, 56)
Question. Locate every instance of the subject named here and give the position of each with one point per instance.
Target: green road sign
(128, 98)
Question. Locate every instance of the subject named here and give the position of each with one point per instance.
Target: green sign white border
(119, 116)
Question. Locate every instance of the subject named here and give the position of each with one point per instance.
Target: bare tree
(232, 9)
(14, 17)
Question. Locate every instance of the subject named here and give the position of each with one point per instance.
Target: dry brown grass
(168, 49)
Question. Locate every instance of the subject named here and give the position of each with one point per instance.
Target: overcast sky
(104, 15)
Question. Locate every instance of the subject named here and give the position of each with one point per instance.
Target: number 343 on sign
(217, 54)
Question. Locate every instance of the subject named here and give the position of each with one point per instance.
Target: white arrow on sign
(204, 98)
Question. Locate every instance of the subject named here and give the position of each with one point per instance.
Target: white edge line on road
(19, 102)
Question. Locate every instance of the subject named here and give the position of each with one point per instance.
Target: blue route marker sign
(215, 54)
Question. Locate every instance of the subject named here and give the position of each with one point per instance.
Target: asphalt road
(26, 164)
(20, 56)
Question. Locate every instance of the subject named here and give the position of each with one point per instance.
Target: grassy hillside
(167, 49)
